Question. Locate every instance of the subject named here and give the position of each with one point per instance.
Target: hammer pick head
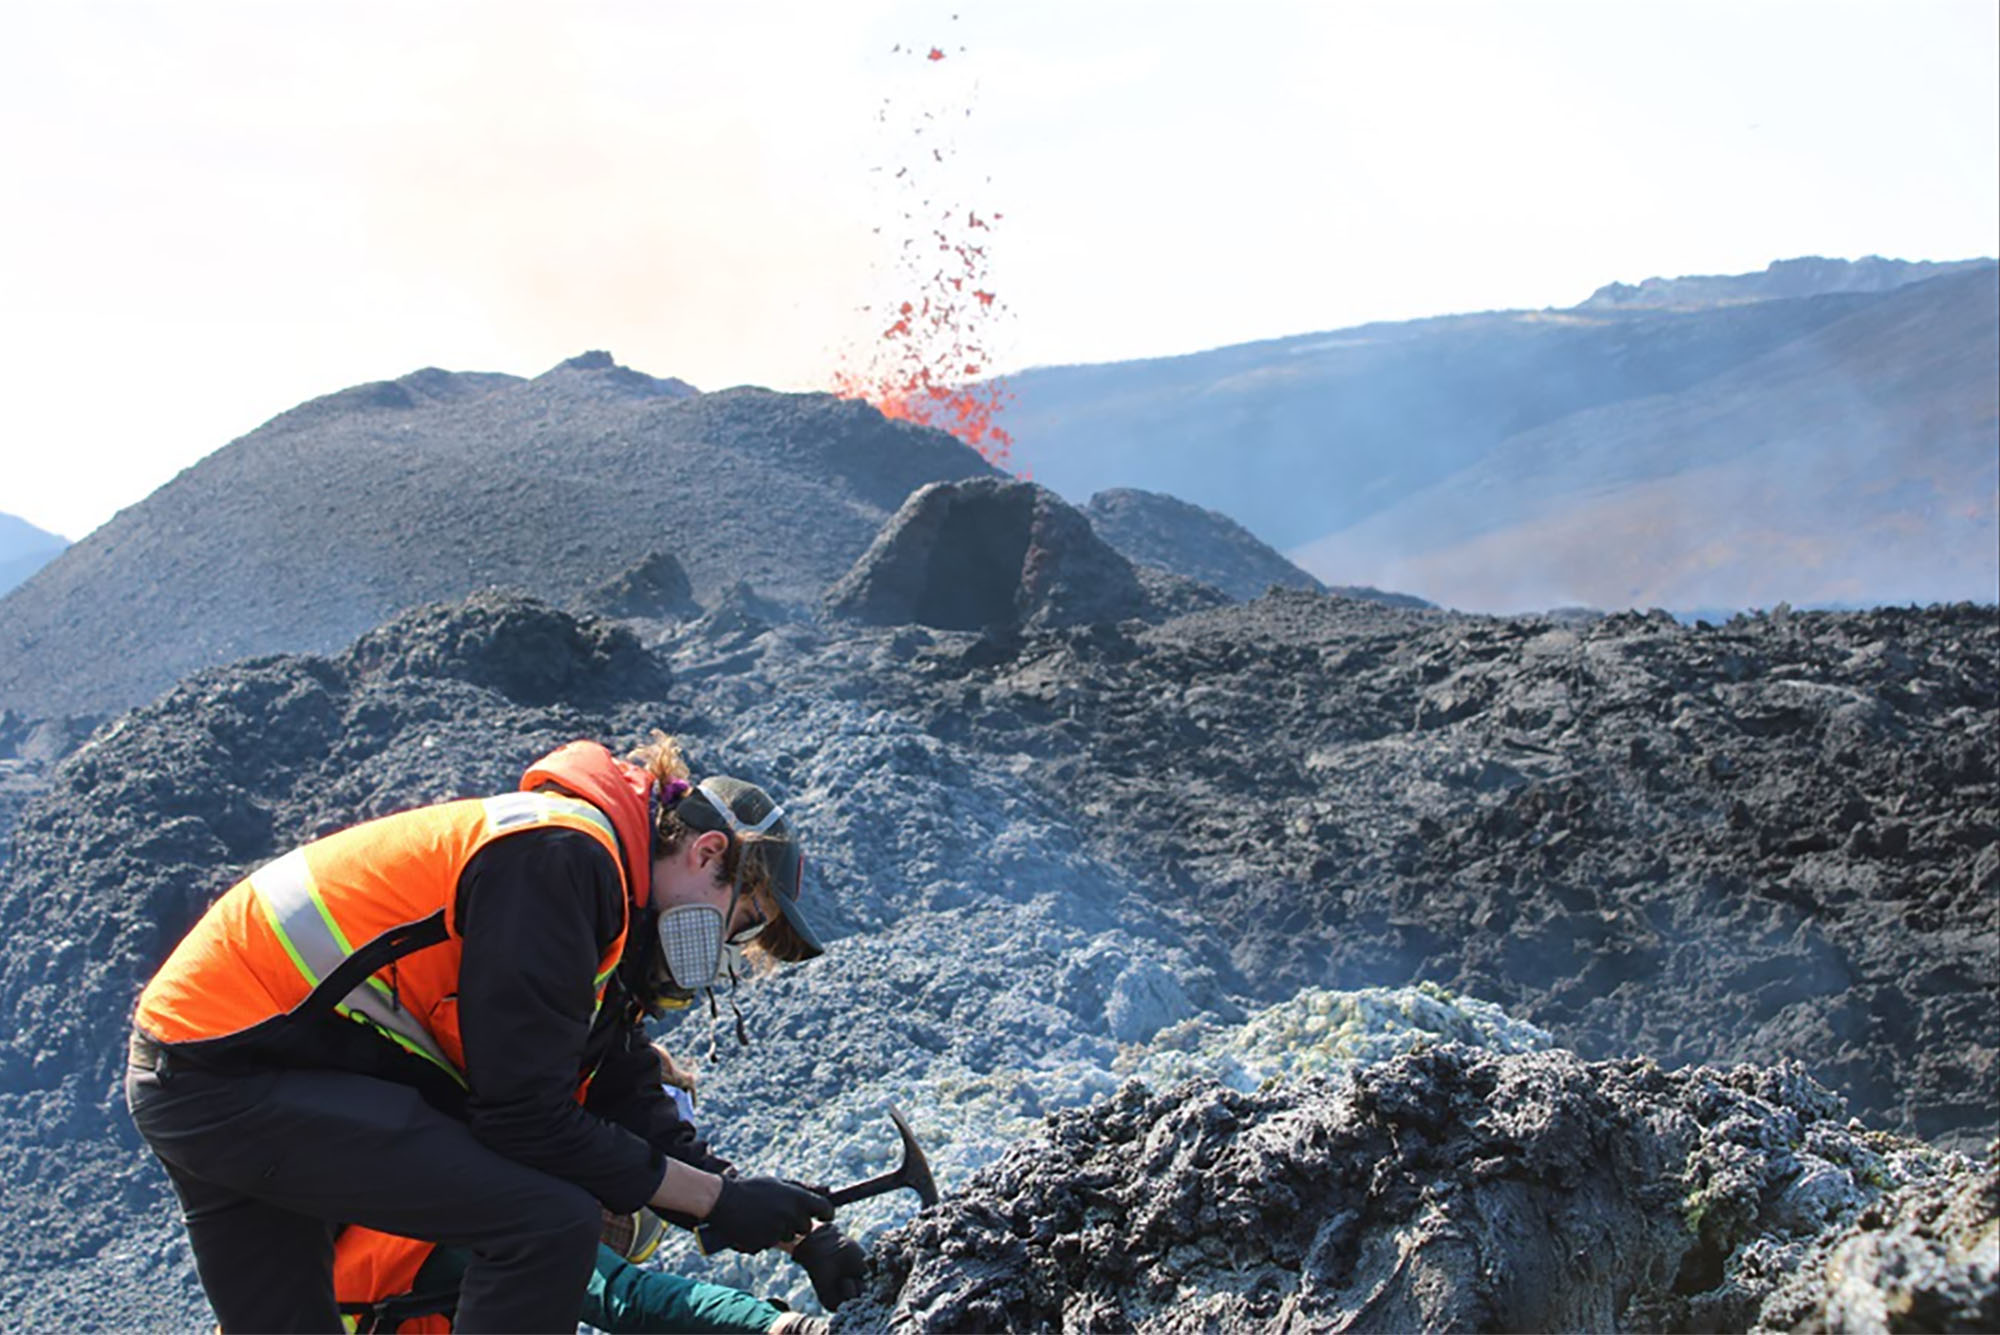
(916, 1170)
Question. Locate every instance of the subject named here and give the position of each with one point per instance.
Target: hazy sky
(217, 210)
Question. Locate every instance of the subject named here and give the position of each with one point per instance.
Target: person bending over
(430, 1025)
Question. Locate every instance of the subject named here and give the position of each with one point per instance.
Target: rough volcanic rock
(525, 651)
(335, 516)
(656, 587)
(1447, 1189)
(20, 784)
(1925, 1257)
(1158, 530)
(1170, 595)
(1707, 844)
(1050, 856)
(29, 749)
(987, 552)
(1001, 1017)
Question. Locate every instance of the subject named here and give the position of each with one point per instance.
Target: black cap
(737, 808)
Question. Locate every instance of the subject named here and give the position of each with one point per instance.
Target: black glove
(835, 1263)
(753, 1213)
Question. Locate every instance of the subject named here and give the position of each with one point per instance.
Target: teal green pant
(629, 1300)
(626, 1299)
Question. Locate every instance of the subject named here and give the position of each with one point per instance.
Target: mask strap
(742, 1030)
(715, 1016)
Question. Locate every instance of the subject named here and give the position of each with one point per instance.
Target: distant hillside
(1303, 438)
(1857, 464)
(24, 549)
(1810, 276)
(337, 514)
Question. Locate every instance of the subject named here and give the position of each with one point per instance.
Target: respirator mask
(694, 950)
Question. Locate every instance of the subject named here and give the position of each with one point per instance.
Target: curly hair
(662, 758)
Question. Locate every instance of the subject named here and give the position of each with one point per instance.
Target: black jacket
(536, 911)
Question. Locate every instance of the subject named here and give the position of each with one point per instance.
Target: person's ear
(709, 848)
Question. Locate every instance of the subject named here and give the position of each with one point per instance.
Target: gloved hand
(753, 1213)
(836, 1264)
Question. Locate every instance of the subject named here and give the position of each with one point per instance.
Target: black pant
(267, 1162)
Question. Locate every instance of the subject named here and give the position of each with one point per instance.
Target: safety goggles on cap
(746, 812)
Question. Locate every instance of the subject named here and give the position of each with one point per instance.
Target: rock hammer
(914, 1173)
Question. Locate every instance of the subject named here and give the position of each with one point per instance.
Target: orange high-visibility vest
(371, 1268)
(364, 919)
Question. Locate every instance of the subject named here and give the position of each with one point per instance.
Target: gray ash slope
(343, 511)
(336, 515)
(1855, 464)
(1171, 534)
(1044, 848)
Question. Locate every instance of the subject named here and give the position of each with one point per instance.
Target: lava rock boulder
(988, 552)
(657, 587)
(1449, 1189)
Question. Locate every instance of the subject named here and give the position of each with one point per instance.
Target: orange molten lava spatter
(934, 342)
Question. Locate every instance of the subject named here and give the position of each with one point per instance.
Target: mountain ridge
(1807, 275)
(24, 549)
(334, 515)
(1769, 457)
(1303, 438)
(590, 482)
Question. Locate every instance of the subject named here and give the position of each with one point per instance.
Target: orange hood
(620, 790)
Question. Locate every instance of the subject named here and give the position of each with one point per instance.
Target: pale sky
(217, 210)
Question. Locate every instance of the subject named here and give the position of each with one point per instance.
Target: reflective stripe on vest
(317, 946)
(509, 810)
(292, 904)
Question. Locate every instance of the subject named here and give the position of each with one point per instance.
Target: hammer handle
(861, 1191)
